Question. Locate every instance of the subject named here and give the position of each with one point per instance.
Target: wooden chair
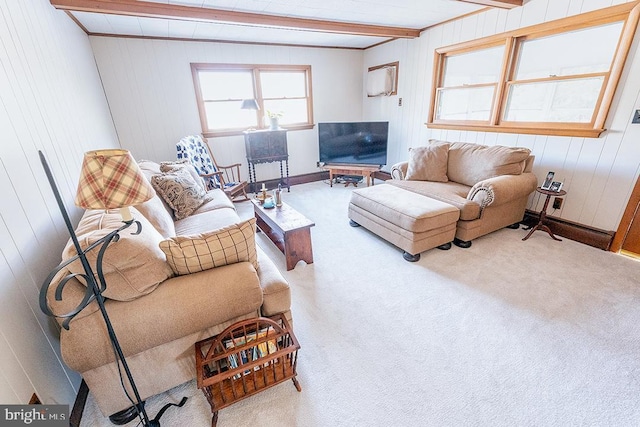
(227, 178)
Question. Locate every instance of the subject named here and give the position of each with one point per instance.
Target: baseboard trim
(591, 236)
(78, 407)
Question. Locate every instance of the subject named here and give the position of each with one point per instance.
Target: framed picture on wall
(548, 180)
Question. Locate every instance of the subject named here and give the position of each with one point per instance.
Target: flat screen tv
(358, 143)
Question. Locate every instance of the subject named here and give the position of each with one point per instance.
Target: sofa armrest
(275, 289)
(502, 189)
(399, 170)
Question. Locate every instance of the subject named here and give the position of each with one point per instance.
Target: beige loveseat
(489, 185)
(158, 314)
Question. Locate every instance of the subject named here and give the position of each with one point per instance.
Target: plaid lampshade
(111, 179)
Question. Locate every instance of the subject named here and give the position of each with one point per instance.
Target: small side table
(543, 213)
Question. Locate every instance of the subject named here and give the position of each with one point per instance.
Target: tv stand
(359, 170)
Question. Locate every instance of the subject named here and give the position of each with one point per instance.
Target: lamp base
(131, 413)
(126, 415)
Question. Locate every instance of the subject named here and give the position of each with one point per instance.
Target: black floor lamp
(110, 179)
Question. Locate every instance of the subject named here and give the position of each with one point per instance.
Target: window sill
(531, 130)
(234, 132)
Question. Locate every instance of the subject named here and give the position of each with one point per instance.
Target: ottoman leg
(445, 246)
(461, 243)
(411, 258)
(353, 223)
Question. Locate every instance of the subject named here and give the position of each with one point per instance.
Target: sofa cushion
(133, 266)
(149, 169)
(450, 192)
(275, 289)
(428, 163)
(155, 211)
(180, 191)
(469, 163)
(205, 299)
(183, 165)
(206, 221)
(229, 245)
(215, 199)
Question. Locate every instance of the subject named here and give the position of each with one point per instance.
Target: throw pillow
(228, 245)
(186, 165)
(133, 266)
(428, 163)
(180, 191)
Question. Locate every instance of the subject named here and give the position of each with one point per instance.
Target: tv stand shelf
(359, 170)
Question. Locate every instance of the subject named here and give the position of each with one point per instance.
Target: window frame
(627, 13)
(255, 69)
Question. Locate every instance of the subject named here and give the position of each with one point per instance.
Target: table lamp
(109, 179)
(249, 104)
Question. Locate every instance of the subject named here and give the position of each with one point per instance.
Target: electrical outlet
(636, 117)
(399, 102)
(557, 203)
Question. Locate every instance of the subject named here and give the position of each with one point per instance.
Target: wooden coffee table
(288, 229)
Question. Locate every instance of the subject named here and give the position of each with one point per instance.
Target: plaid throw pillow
(180, 191)
(228, 245)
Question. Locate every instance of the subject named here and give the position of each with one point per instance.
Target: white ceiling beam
(190, 13)
(504, 4)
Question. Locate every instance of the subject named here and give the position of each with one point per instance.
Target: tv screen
(358, 143)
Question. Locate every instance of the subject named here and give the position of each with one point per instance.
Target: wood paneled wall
(51, 99)
(598, 174)
(150, 91)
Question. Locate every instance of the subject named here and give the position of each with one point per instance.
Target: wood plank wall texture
(150, 90)
(598, 174)
(51, 99)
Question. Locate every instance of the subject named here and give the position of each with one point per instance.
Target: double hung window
(556, 78)
(280, 90)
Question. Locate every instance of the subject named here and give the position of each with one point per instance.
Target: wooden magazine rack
(247, 357)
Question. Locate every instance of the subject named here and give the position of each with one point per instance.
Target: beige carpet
(505, 333)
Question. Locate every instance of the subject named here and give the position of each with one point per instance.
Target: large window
(556, 78)
(282, 90)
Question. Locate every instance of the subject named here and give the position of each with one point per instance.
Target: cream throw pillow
(180, 191)
(428, 163)
(133, 265)
(228, 245)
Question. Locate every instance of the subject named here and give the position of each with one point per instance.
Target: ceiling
(356, 24)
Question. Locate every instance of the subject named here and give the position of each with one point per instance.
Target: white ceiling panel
(181, 29)
(411, 14)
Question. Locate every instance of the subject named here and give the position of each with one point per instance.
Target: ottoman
(410, 221)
